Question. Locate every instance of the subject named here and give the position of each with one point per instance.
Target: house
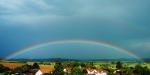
(39, 72)
(96, 72)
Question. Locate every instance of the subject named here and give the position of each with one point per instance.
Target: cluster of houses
(96, 72)
(67, 70)
(89, 72)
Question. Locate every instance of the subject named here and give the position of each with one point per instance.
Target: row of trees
(75, 69)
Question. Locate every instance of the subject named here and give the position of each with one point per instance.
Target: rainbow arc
(93, 42)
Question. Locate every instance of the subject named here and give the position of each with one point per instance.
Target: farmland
(48, 67)
(12, 65)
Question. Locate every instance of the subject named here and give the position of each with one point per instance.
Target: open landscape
(74, 37)
(74, 68)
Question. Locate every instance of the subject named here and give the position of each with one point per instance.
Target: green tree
(22, 69)
(76, 71)
(139, 70)
(83, 65)
(58, 69)
(84, 72)
(36, 66)
(3, 69)
(119, 65)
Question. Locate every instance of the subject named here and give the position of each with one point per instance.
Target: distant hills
(65, 59)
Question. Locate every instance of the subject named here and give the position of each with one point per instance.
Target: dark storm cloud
(123, 23)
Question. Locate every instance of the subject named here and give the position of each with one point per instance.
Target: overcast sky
(124, 23)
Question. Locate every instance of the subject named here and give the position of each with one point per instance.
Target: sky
(123, 23)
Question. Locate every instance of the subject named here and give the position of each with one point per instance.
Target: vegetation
(79, 68)
(3, 68)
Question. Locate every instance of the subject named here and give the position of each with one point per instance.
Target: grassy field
(113, 65)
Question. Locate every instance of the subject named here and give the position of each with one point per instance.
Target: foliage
(58, 69)
(3, 69)
(23, 69)
(35, 66)
(80, 68)
(119, 65)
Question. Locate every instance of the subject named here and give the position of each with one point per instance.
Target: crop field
(43, 68)
(47, 67)
(51, 67)
(12, 65)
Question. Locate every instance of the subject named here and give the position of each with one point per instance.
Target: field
(113, 65)
(13, 65)
(47, 67)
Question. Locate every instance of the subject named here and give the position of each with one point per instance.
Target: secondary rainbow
(93, 42)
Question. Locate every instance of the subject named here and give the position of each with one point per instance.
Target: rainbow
(93, 42)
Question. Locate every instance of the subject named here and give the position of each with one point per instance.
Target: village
(36, 69)
(72, 68)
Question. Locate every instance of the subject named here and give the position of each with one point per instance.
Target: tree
(84, 72)
(35, 66)
(58, 69)
(23, 69)
(3, 69)
(139, 70)
(83, 65)
(119, 65)
(76, 71)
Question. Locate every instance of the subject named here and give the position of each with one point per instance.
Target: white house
(101, 73)
(96, 72)
(39, 72)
